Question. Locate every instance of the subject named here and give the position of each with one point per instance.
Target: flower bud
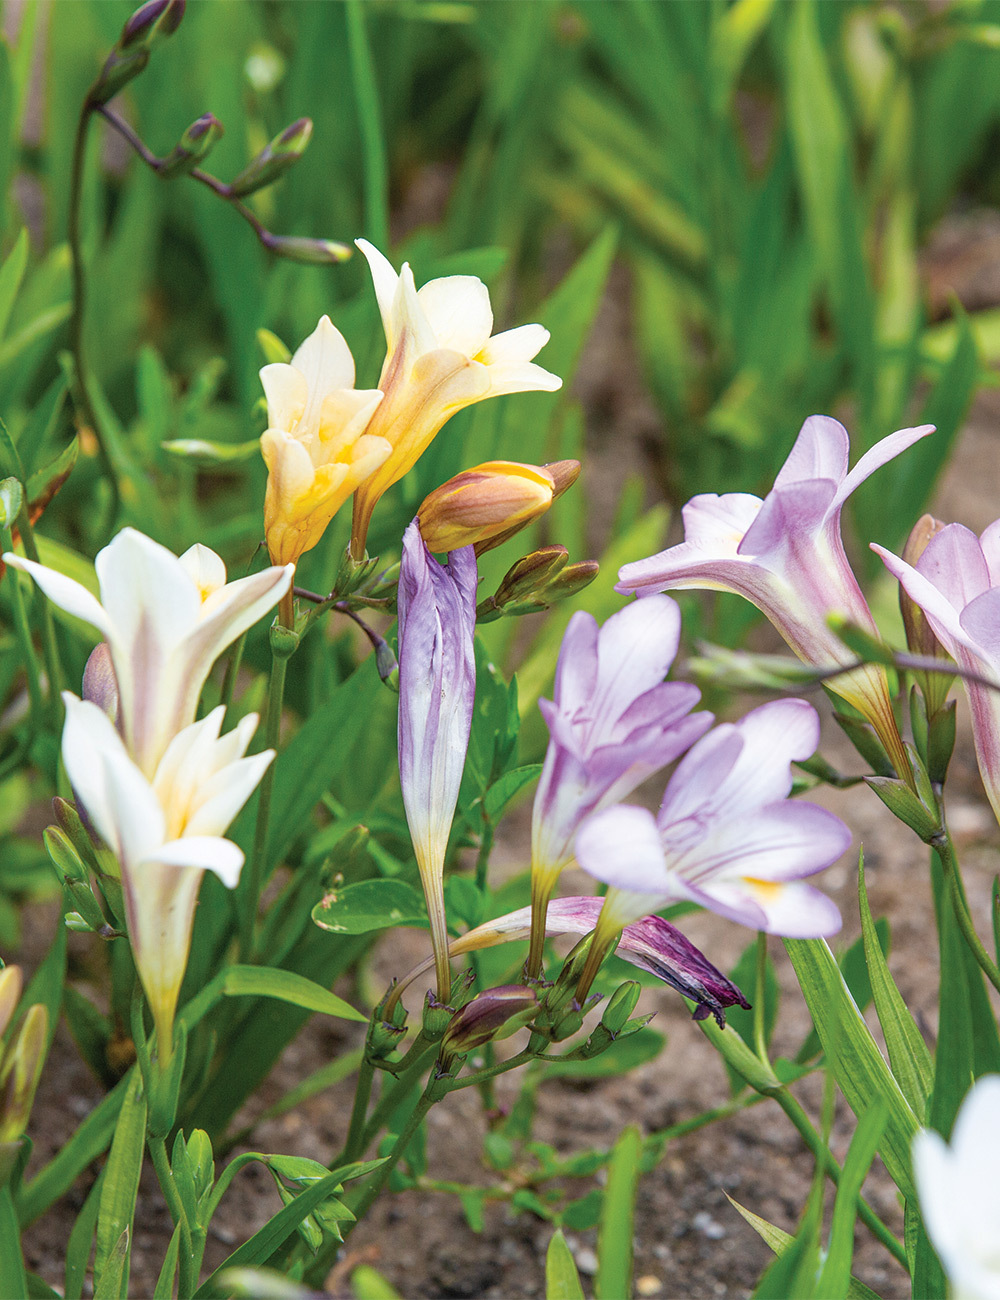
(19, 1075)
(621, 1006)
(131, 54)
(100, 685)
(193, 146)
(199, 1150)
(11, 499)
(11, 983)
(313, 252)
(525, 581)
(273, 160)
(494, 1014)
(920, 640)
(485, 505)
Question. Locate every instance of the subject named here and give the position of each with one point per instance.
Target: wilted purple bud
(100, 685)
(313, 252)
(274, 159)
(493, 1014)
(193, 146)
(437, 687)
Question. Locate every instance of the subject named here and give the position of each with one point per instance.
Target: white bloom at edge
(165, 832)
(959, 1189)
(166, 620)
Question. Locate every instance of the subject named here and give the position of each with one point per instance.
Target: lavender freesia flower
(613, 723)
(785, 555)
(651, 943)
(726, 835)
(956, 582)
(437, 687)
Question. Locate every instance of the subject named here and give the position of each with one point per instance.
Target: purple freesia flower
(613, 723)
(437, 687)
(785, 554)
(726, 835)
(956, 582)
(651, 943)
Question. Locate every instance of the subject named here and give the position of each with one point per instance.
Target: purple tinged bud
(119, 69)
(100, 685)
(312, 252)
(274, 159)
(142, 25)
(491, 1015)
(193, 146)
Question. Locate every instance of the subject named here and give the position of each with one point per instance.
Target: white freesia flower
(166, 620)
(165, 831)
(959, 1192)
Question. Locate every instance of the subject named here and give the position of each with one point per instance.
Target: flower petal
(458, 310)
(520, 344)
(622, 847)
(204, 853)
(877, 456)
(69, 595)
(819, 452)
(287, 392)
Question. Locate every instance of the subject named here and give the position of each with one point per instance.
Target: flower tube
(613, 723)
(785, 554)
(960, 1195)
(726, 835)
(165, 832)
(956, 582)
(166, 620)
(315, 446)
(437, 688)
(441, 356)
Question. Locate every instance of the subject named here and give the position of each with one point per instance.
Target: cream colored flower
(316, 448)
(440, 358)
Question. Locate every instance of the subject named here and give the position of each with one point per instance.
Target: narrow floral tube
(441, 356)
(437, 687)
(316, 446)
(166, 619)
(960, 1195)
(165, 831)
(785, 554)
(651, 943)
(726, 835)
(613, 723)
(956, 582)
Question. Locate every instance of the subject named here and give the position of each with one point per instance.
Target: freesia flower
(316, 449)
(437, 688)
(960, 1194)
(785, 554)
(165, 831)
(440, 358)
(613, 723)
(726, 835)
(489, 503)
(166, 620)
(956, 582)
(651, 943)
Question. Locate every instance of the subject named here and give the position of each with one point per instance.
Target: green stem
(391, 1097)
(255, 871)
(23, 634)
(821, 1151)
(759, 1026)
(232, 672)
(945, 850)
(353, 1147)
(50, 648)
(187, 1279)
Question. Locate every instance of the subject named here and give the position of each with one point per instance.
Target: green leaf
(614, 1241)
(274, 1233)
(370, 905)
(501, 792)
(164, 1289)
(368, 1283)
(13, 1281)
(121, 1186)
(286, 986)
(562, 1281)
(81, 1239)
(835, 1276)
(11, 275)
(859, 1069)
(908, 1054)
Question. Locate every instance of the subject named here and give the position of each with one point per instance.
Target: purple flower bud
(493, 1014)
(193, 146)
(274, 159)
(100, 685)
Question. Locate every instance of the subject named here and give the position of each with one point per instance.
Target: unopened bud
(199, 1149)
(129, 57)
(100, 685)
(11, 984)
(300, 248)
(491, 1015)
(22, 1067)
(194, 145)
(388, 668)
(274, 159)
(11, 499)
(485, 505)
(621, 1006)
(284, 641)
(920, 639)
(530, 575)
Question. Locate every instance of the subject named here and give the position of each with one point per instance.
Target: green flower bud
(11, 984)
(199, 1149)
(193, 146)
(21, 1070)
(621, 1006)
(273, 160)
(300, 248)
(284, 641)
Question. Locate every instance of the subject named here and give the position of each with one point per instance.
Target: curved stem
(945, 849)
(354, 1146)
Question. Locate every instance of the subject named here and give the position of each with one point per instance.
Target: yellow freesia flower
(440, 358)
(316, 447)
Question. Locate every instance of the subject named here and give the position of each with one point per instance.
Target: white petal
(385, 280)
(521, 377)
(69, 595)
(622, 847)
(205, 853)
(326, 362)
(457, 308)
(820, 451)
(205, 569)
(520, 344)
(635, 649)
(287, 392)
(225, 793)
